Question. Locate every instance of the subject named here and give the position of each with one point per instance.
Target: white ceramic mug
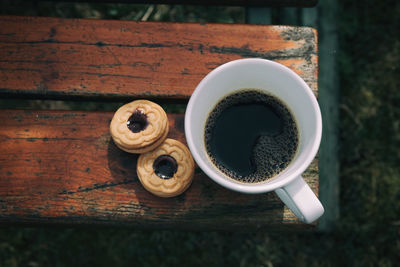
(286, 85)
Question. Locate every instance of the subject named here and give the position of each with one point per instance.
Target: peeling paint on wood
(59, 58)
(81, 177)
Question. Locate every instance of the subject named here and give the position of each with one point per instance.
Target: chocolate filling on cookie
(137, 121)
(165, 166)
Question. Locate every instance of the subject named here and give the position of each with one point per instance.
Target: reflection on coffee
(251, 136)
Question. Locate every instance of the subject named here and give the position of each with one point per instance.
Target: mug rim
(263, 186)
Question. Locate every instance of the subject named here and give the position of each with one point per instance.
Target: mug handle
(301, 200)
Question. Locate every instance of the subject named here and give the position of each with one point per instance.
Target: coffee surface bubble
(251, 136)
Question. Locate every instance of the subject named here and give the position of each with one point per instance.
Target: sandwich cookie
(168, 170)
(139, 126)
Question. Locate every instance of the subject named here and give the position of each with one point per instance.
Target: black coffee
(251, 136)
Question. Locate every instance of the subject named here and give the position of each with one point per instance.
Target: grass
(368, 233)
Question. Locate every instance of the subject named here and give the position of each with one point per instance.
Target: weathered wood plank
(274, 3)
(329, 102)
(58, 58)
(61, 167)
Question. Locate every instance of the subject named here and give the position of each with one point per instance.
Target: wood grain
(66, 58)
(61, 167)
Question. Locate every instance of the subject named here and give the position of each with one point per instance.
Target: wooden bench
(61, 167)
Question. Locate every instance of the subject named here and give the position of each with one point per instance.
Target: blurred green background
(368, 231)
